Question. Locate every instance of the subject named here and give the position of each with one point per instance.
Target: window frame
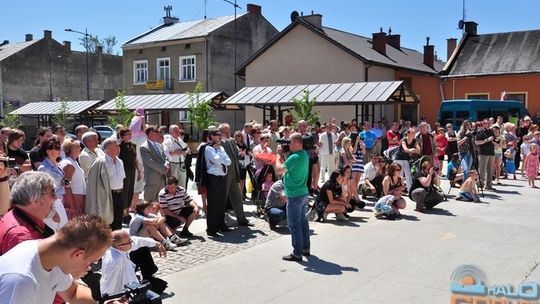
(135, 72)
(167, 83)
(468, 95)
(181, 68)
(526, 93)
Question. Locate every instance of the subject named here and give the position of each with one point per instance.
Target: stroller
(257, 195)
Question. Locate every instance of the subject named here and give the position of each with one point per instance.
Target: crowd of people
(64, 180)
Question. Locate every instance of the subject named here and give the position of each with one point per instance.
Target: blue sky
(413, 19)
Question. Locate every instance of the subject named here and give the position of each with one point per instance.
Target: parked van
(456, 111)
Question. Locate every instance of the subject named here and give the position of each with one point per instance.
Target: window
(140, 71)
(164, 71)
(519, 96)
(187, 68)
(476, 95)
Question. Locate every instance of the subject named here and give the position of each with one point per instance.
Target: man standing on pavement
(428, 146)
(217, 162)
(90, 152)
(155, 163)
(486, 155)
(295, 170)
(370, 141)
(232, 178)
(176, 150)
(274, 135)
(327, 148)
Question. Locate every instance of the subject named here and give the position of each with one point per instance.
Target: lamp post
(86, 41)
(235, 7)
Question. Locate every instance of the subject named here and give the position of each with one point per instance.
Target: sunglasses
(54, 147)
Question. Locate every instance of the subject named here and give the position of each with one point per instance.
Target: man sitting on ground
(371, 183)
(177, 206)
(276, 204)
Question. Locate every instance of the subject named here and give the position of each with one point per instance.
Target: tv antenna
(461, 23)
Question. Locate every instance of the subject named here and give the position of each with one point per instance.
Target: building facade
(43, 69)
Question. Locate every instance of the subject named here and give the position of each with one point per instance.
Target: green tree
(93, 41)
(304, 109)
(62, 114)
(200, 111)
(123, 114)
(10, 120)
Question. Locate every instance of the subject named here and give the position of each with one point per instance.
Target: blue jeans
(466, 163)
(276, 214)
(298, 224)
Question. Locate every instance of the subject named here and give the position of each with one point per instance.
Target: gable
(302, 56)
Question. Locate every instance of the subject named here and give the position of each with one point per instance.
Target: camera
(284, 145)
(136, 293)
(308, 143)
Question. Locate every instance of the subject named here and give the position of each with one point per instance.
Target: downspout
(206, 64)
(441, 88)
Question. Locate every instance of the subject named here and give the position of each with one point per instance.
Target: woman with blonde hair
(76, 193)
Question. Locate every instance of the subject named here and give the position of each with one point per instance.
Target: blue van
(456, 111)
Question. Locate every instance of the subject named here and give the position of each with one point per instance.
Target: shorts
(184, 212)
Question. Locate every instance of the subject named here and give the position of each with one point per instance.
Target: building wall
(173, 51)
(302, 57)
(494, 86)
(427, 88)
(28, 74)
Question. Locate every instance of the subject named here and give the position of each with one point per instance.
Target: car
(104, 131)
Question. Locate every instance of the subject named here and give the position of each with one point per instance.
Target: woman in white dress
(76, 193)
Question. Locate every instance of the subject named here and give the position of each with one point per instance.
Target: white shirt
(370, 171)
(216, 159)
(58, 207)
(117, 269)
(323, 140)
(78, 184)
(115, 170)
(172, 144)
(23, 279)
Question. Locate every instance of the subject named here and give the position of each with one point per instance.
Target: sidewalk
(367, 260)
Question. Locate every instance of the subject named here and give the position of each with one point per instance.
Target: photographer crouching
(425, 187)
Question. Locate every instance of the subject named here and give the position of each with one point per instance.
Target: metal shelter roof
(52, 107)
(384, 92)
(160, 101)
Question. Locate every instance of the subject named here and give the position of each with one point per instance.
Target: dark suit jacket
(232, 151)
(154, 166)
(200, 167)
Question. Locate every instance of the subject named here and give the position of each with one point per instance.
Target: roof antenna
(389, 31)
(167, 10)
(205, 3)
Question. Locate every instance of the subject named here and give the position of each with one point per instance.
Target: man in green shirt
(295, 169)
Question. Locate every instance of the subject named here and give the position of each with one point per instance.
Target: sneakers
(177, 241)
(168, 244)
(341, 217)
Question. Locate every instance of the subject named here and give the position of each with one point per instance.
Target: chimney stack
(451, 44)
(429, 54)
(471, 28)
(314, 19)
(394, 40)
(379, 42)
(254, 9)
(4, 43)
(47, 34)
(28, 37)
(67, 45)
(168, 19)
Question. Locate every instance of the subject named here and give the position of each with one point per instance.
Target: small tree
(61, 116)
(11, 120)
(304, 109)
(123, 114)
(200, 111)
(93, 41)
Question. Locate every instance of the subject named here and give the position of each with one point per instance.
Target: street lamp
(86, 41)
(235, 7)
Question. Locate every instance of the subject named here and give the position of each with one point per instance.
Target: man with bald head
(176, 151)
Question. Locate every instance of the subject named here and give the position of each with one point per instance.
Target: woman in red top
(442, 143)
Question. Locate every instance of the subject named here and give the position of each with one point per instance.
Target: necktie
(247, 142)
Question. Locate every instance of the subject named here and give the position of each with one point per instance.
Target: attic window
(163, 48)
(187, 46)
(140, 51)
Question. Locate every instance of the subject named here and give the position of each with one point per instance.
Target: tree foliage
(93, 41)
(123, 114)
(11, 120)
(304, 109)
(200, 111)
(61, 116)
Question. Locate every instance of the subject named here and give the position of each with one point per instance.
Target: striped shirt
(174, 202)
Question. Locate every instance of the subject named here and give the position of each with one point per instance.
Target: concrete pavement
(366, 260)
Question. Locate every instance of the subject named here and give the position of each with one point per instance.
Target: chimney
(394, 40)
(470, 28)
(67, 45)
(47, 34)
(4, 43)
(314, 19)
(254, 9)
(168, 19)
(379, 42)
(429, 54)
(28, 37)
(99, 49)
(451, 44)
